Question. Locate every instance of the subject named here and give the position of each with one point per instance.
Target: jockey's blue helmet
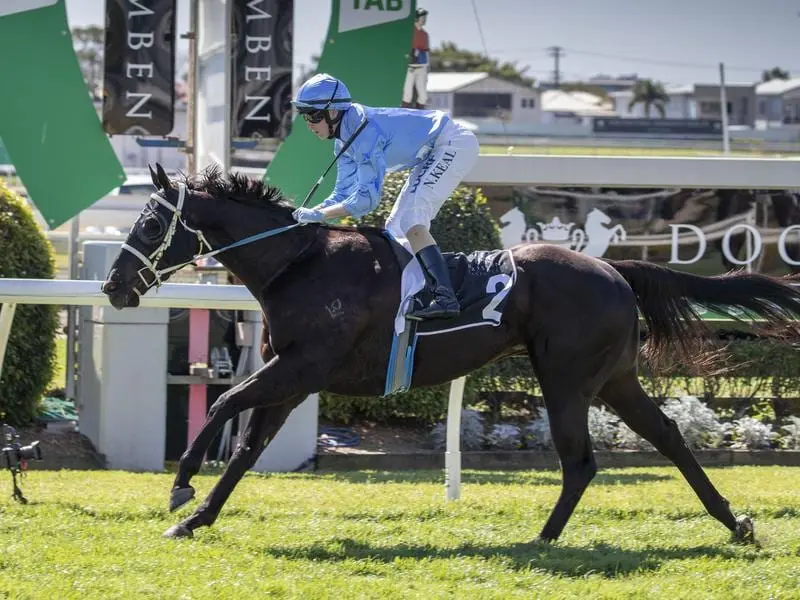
(322, 92)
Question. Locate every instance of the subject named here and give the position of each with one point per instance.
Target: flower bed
(702, 427)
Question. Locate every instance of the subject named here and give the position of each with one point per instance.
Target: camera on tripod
(17, 457)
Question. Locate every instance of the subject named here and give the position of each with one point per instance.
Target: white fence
(637, 171)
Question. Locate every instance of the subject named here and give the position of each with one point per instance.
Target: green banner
(47, 121)
(367, 47)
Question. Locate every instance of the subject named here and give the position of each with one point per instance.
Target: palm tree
(650, 94)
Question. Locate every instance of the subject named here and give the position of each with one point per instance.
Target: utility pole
(191, 83)
(723, 107)
(556, 52)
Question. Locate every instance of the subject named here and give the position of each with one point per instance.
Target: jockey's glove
(308, 215)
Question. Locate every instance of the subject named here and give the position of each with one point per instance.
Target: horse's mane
(237, 187)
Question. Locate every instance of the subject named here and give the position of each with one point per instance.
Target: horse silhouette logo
(593, 240)
(599, 237)
(513, 231)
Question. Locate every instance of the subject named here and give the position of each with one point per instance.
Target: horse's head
(161, 241)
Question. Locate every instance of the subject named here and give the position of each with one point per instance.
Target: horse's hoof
(178, 531)
(179, 497)
(745, 532)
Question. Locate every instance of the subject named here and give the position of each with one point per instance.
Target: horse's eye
(152, 229)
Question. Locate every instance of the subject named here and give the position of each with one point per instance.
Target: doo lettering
(753, 249)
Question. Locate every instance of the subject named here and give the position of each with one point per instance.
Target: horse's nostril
(108, 287)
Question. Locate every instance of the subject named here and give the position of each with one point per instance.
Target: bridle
(150, 263)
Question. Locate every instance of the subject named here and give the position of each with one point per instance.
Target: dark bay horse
(574, 316)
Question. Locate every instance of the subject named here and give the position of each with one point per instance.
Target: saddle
(481, 281)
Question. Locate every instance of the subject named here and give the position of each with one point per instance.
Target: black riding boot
(445, 304)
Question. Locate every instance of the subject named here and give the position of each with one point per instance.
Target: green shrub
(464, 224)
(30, 356)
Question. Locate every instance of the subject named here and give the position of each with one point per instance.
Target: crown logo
(593, 239)
(555, 230)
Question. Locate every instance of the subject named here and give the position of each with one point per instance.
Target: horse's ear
(163, 178)
(153, 176)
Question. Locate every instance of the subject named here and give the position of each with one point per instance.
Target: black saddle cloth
(481, 281)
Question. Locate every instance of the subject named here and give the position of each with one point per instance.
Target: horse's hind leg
(264, 424)
(568, 413)
(626, 396)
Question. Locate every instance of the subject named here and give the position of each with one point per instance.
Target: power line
(666, 63)
(486, 52)
(631, 58)
(480, 29)
(556, 52)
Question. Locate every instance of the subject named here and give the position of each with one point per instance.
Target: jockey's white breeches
(432, 181)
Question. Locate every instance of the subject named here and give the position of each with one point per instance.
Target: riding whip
(333, 162)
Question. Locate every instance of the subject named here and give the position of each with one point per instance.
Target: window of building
(481, 104)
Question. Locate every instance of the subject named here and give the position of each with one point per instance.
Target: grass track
(638, 533)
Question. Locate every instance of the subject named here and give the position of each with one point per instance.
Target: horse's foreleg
(287, 376)
(264, 424)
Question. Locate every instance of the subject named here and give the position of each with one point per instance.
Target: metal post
(6, 319)
(191, 107)
(452, 457)
(723, 101)
(227, 85)
(750, 220)
(69, 384)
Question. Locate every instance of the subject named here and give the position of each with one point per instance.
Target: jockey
(438, 152)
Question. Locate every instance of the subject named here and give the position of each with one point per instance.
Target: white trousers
(416, 76)
(432, 181)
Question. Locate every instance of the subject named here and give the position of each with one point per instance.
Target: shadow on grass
(478, 477)
(607, 560)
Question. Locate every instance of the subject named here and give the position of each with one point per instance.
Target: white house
(559, 106)
(697, 101)
(480, 97)
(778, 102)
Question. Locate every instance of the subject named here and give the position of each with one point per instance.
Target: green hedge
(464, 224)
(766, 370)
(30, 356)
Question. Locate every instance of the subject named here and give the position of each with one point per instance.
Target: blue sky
(677, 41)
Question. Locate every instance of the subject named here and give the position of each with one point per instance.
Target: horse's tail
(665, 300)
